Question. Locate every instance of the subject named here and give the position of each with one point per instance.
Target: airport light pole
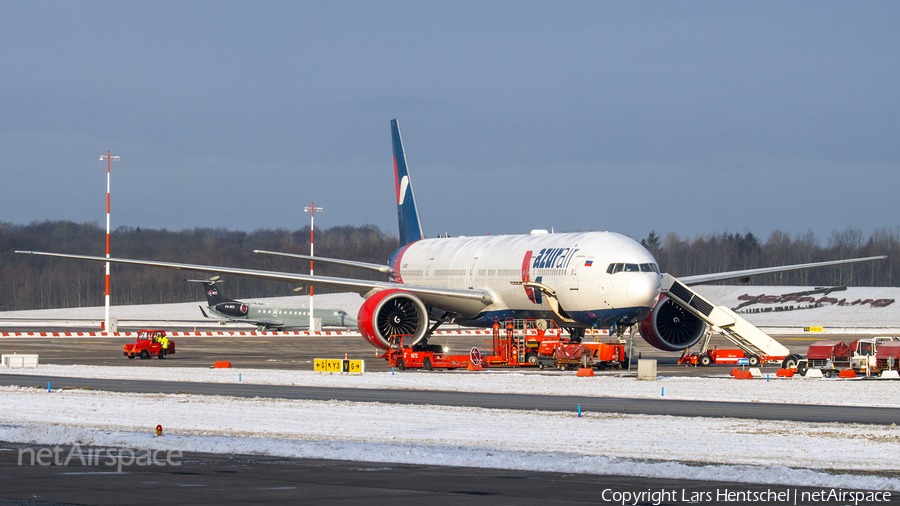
(108, 159)
(312, 222)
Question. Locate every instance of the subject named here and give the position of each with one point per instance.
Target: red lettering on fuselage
(526, 275)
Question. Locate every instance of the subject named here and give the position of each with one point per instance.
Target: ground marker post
(579, 411)
(48, 387)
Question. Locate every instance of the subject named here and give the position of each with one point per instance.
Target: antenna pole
(109, 158)
(312, 222)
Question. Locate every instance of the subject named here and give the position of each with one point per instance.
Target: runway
(253, 479)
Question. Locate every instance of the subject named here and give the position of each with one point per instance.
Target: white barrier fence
(18, 361)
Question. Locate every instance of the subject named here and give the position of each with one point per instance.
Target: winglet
(407, 212)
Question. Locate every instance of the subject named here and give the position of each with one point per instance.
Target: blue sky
(687, 117)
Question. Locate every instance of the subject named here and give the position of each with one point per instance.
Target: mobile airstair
(736, 329)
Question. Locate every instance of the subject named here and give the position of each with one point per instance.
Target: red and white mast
(106, 314)
(312, 217)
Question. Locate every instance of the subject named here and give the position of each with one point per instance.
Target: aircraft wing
(464, 301)
(745, 275)
(384, 269)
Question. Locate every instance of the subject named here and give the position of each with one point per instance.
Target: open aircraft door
(470, 273)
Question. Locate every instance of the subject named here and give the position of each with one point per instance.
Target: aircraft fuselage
(581, 268)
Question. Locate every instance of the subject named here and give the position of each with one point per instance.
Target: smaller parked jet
(267, 317)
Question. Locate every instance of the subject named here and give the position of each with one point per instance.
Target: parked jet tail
(407, 213)
(212, 292)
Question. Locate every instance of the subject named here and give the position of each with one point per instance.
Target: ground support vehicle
(402, 354)
(515, 343)
(717, 356)
(888, 357)
(758, 346)
(864, 356)
(148, 345)
(832, 357)
(609, 355)
(535, 343)
(572, 356)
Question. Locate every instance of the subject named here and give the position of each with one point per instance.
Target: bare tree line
(736, 251)
(28, 282)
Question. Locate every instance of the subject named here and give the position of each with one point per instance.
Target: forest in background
(30, 282)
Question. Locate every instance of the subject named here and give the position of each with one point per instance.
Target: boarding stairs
(736, 329)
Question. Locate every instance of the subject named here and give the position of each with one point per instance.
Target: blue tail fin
(407, 213)
(212, 292)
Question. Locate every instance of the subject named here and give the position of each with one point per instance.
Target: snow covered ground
(789, 453)
(776, 452)
(829, 315)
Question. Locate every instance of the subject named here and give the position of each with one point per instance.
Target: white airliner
(579, 280)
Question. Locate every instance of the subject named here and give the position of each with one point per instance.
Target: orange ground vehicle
(403, 354)
(717, 356)
(148, 345)
(516, 343)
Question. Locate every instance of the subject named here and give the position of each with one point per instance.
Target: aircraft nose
(643, 290)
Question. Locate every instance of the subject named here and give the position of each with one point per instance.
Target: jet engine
(390, 313)
(231, 308)
(670, 327)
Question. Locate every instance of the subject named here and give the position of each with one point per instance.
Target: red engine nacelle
(670, 327)
(390, 313)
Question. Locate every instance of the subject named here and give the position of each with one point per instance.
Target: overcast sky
(687, 117)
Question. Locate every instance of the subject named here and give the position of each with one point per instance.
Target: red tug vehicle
(523, 343)
(148, 345)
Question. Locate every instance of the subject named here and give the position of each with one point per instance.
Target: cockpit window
(622, 267)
